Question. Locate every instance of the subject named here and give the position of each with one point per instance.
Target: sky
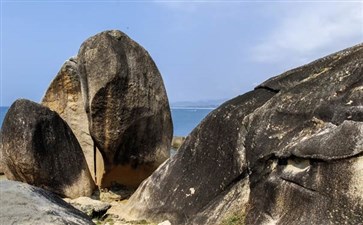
(204, 49)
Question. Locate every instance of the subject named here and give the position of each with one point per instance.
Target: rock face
(289, 152)
(1, 157)
(25, 204)
(65, 97)
(39, 148)
(206, 167)
(127, 107)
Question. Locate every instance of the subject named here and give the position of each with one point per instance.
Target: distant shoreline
(191, 107)
(171, 107)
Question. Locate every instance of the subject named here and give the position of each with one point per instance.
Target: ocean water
(184, 119)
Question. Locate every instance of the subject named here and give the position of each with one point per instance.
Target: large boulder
(305, 145)
(209, 165)
(39, 148)
(25, 204)
(64, 96)
(289, 152)
(127, 107)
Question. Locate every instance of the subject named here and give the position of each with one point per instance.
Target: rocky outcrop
(288, 152)
(206, 167)
(64, 96)
(306, 145)
(127, 107)
(39, 148)
(25, 204)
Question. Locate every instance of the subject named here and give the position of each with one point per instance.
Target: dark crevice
(268, 214)
(325, 118)
(353, 119)
(267, 88)
(296, 183)
(227, 188)
(323, 158)
(240, 177)
(282, 159)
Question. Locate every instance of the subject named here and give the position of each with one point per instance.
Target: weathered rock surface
(93, 208)
(289, 152)
(127, 107)
(207, 166)
(64, 96)
(40, 149)
(1, 157)
(306, 145)
(25, 204)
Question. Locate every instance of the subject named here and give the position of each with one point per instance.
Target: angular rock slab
(289, 152)
(127, 107)
(40, 149)
(25, 204)
(64, 96)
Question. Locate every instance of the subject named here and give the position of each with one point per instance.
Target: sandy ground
(2, 177)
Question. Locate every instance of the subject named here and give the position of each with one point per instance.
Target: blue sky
(204, 50)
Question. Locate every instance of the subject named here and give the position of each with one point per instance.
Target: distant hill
(214, 103)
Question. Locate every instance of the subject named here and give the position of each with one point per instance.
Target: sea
(185, 119)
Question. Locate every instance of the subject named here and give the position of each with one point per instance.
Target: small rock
(166, 222)
(177, 142)
(93, 208)
(116, 193)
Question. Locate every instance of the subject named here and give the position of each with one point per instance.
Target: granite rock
(25, 204)
(127, 107)
(288, 152)
(64, 96)
(40, 149)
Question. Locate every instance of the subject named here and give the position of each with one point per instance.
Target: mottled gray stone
(206, 167)
(306, 143)
(21, 203)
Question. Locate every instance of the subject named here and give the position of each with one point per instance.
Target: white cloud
(312, 31)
